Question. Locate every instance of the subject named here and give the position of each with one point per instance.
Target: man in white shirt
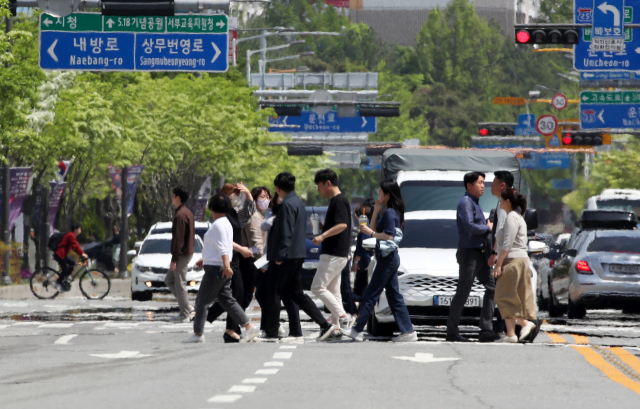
(217, 253)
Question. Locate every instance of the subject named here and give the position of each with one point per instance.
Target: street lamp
(264, 50)
(263, 63)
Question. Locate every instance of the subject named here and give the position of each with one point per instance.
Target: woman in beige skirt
(514, 294)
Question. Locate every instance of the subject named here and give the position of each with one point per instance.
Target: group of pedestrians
(250, 224)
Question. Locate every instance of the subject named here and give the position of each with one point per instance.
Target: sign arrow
(121, 355)
(284, 120)
(589, 75)
(423, 358)
(221, 23)
(50, 50)
(47, 22)
(110, 23)
(217, 50)
(605, 8)
(364, 122)
(600, 116)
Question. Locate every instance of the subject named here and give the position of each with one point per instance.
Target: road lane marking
(282, 355)
(580, 339)
(243, 388)
(266, 371)
(55, 326)
(423, 358)
(254, 380)
(555, 338)
(122, 355)
(288, 347)
(627, 357)
(3, 326)
(274, 363)
(612, 373)
(224, 398)
(65, 339)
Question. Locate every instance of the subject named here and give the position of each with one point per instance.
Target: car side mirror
(571, 253)
(137, 245)
(369, 244)
(531, 219)
(132, 253)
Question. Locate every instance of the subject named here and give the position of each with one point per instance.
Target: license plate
(445, 300)
(624, 268)
(310, 265)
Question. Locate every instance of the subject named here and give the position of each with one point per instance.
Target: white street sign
(547, 125)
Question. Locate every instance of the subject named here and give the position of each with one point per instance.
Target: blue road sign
(554, 141)
(96, 45)
(553, 160)
(526, 125)
(607, 75)
(610, 109)
(310, 122)
(562, 184)
(532, 162)
(606, 50)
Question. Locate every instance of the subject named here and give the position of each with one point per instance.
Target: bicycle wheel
(94, 284)
(41, 283)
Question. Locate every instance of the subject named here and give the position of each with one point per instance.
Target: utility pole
(124, 231)
(6, 201)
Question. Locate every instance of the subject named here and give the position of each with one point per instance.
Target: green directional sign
(610, 97)
(95, 22)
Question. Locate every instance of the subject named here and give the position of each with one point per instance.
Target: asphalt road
(115, 353)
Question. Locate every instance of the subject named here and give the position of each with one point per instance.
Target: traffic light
(496, 130)
(547, 35)
(581, 138)
(288, 110)
(380, 111)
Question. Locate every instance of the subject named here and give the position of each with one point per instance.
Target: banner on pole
(57, 189)
(133, 179)
(20, 184)
(203, 200)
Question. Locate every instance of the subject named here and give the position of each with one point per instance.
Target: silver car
(600, 269)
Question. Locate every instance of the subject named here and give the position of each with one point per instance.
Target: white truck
(431, 181)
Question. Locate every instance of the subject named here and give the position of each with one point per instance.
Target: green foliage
(611, 170)
(556, 11)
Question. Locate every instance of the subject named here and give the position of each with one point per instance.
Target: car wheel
(554, 309)
(379, 329)
(576, 311)
(141, 295)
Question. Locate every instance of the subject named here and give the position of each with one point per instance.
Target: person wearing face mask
(254, 239)
(243, 208)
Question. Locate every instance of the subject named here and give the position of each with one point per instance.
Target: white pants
(326, 285)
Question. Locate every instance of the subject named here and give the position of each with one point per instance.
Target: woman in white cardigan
(514, 294)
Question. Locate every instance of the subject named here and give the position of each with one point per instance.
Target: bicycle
(94, 283)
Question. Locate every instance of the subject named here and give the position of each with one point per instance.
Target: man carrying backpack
(67, 243)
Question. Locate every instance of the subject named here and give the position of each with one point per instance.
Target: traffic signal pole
(6, 202)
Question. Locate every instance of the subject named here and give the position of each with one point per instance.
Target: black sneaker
(488, 336)
(326, 332)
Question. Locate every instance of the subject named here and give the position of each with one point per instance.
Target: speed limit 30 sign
(547, 125)
(559, 102)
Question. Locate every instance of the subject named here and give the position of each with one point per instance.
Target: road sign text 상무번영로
(91, 41)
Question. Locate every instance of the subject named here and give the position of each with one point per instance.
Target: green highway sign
(610, 97)
(95, 22)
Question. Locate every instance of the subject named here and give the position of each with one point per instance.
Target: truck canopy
(466, 160)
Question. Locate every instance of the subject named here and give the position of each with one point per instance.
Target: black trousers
(237, 291)
(66, 267)
(269, 300)
(250, 276)
(286, 278)
(472, 264)
(349, 298)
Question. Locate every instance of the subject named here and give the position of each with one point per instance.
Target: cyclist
(68, 242)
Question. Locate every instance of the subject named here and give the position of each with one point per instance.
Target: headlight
(142, 269)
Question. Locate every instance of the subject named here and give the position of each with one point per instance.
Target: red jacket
(67, 243)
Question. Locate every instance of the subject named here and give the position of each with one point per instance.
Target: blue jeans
(385, 277)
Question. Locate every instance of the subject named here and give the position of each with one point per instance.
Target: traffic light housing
(582, 138)
(547, 35)
(502, 130)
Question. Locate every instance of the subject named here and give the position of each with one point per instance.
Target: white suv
(621, 199)
(152, 264)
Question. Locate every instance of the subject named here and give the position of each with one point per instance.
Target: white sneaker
(410, 337)
(180, 319)
(346, 322)
(262, 337)
(292, 340)
(281, 331)
(509, 340)
(194, 339)
(192, 313)
(353, 334)
(250, 334)
(524, 332)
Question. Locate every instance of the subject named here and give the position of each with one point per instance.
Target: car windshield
(430, 234)
(440, 195)
(163, 247)
(620, 204)
(322, 212)
(615, 244)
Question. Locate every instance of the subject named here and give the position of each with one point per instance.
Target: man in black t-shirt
(336, 240)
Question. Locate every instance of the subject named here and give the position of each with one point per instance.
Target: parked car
(600, 267)
(165, 227)
(428, 272)
(152, 264)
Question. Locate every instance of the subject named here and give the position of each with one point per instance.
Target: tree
(556, 11)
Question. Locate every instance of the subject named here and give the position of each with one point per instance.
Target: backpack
(54, 241)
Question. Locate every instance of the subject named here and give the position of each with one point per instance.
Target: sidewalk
(119, 288)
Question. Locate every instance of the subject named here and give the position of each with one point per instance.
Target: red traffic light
(523, 37)
(484, 132)
(567, 139)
